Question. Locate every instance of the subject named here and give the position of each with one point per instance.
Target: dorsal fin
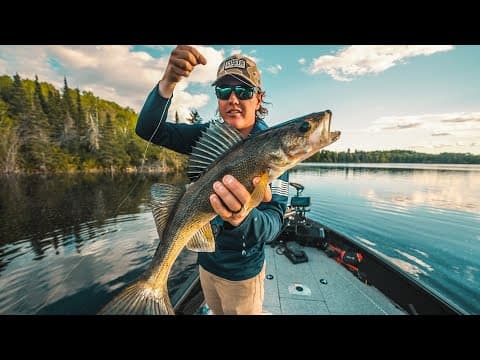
(216, 140)
(164, 198)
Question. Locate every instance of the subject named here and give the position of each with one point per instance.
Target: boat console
(297, 225)
(298, 230)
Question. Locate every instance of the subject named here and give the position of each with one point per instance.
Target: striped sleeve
(280, 187)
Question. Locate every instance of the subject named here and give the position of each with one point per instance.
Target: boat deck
(296, 289)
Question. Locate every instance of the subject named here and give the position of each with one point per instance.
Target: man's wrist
(165, 88)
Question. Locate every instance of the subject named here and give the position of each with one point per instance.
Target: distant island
(44, 130)
(393, 156)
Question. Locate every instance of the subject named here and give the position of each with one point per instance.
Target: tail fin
(139, 299)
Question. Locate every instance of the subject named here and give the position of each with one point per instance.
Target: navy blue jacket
(239, 251)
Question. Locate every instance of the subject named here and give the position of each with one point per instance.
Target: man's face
(238, 113)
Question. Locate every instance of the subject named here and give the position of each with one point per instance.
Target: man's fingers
(219, 208)
(236, 188)
(182, 64)
(199, 57)
(186, 56)
(179, 72)
(228, 198)
(190, 54)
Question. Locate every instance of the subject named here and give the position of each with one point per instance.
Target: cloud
(302, 61)
(445, 123)
(182, 97)
(28, 61)
(440, 146)
(274, 69)
(207, 74)
(358, 60)
(458, 132)
(462, 118)
(402, 126)
(113, 72)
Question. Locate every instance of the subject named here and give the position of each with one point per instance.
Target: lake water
(423, 218)
(66, 247)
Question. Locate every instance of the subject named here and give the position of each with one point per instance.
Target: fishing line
(150, 140)
(144, 156)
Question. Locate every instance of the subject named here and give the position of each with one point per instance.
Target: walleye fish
(183, 214)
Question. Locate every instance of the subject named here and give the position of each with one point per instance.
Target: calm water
(66, 249)
(423, 218)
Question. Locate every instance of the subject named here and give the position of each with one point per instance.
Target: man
(232, 277)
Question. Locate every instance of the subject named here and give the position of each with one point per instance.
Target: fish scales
(182, 216)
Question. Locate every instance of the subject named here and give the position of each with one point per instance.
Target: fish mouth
(322, 136)
(334, 135)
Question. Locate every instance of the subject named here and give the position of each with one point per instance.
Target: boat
(314, 270)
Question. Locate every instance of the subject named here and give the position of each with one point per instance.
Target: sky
(419, 97)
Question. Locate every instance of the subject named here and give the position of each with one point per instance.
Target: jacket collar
(260, 125)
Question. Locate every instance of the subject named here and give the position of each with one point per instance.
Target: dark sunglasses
(242, 92)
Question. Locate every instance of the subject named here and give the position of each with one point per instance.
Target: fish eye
(304, 127)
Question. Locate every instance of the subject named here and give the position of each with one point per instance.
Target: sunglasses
(242, 92)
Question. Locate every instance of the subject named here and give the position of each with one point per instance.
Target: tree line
(43, 129)
(393, 156)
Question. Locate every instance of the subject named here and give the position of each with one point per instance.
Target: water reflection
(66, 211)
(435, 187)
(67, 248)
(424, 221)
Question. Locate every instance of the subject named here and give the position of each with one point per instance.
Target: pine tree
(18, 98)
(107, 145)
(38, 93)
(69, 138)
(36, 138)
(9, 141)
(56, 115)
(194, 117)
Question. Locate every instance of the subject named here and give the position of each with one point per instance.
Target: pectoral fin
(203, 240)
(258, 193)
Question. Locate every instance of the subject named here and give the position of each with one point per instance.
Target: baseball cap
(240, 66)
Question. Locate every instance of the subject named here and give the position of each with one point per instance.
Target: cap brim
(234, 75)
